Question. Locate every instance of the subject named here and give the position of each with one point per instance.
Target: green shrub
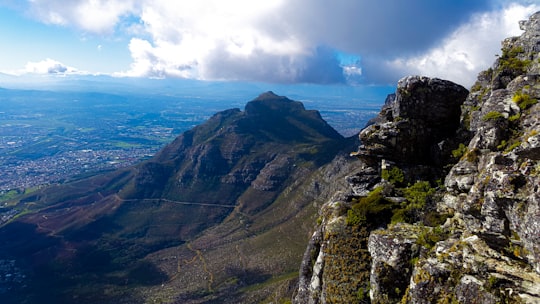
(516, 250)
(371, 205)
(493, 115)
(512, 53)
(361, 294)
(460, 151)
(492, 283)
(472, 155)
(524, 101)
(399, 216)
(355, 217)
(417, 196)
(434, 218)
(419, 193)
(394, 175)
(509, 60)
(476, 87)
(512, 146)
(466, 122)
(514, 117)
(428, 237)
(502, 145)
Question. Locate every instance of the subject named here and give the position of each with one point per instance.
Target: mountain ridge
(227, 183)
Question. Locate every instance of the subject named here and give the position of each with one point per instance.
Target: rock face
(445, 204)
(342, 252)
(423, 112)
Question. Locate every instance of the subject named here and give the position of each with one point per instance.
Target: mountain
(440, 206)
(446, 206)
(219, 213)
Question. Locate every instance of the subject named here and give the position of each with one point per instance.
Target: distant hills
(227, 90)
(219, 213)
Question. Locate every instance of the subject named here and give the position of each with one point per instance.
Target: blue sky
(275, 41)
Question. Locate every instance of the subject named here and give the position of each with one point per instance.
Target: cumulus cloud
(48, 66)
(212, 39)
(468, 50)
(294, 40)
(96, 16)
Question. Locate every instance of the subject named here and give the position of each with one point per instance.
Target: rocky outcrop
(493, 189)
(423, 112)
(447, 194)
(343, 250)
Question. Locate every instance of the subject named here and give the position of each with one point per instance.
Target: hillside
(446, 206)
(219, 213)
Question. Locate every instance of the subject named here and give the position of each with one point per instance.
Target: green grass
(493, 115)
(125, 145)
(9, 195)
(276, 279)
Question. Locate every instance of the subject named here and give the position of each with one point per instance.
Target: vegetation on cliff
(448, 208)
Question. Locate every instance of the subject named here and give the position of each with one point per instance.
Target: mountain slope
(199, 221)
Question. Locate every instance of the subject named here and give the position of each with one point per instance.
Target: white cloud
(297, 40)
(49, 66)
(198, 39)
(96, 16)
(468, 50)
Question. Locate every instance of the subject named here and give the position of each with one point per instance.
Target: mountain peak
(269, 104)
(285, 119)
(269, 96)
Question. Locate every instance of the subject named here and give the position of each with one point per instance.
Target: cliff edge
(446, 205)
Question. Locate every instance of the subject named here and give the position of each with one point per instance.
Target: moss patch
(493, 115)
(524, 101)
(372, 208)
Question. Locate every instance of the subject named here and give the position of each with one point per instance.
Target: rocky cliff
(445, 207)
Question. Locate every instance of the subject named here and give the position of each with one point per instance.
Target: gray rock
(424, 112)
(392, 251)
(489, 251)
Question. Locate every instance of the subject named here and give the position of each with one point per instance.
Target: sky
(353, 42)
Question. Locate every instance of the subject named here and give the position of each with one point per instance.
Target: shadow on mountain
(54, 270)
